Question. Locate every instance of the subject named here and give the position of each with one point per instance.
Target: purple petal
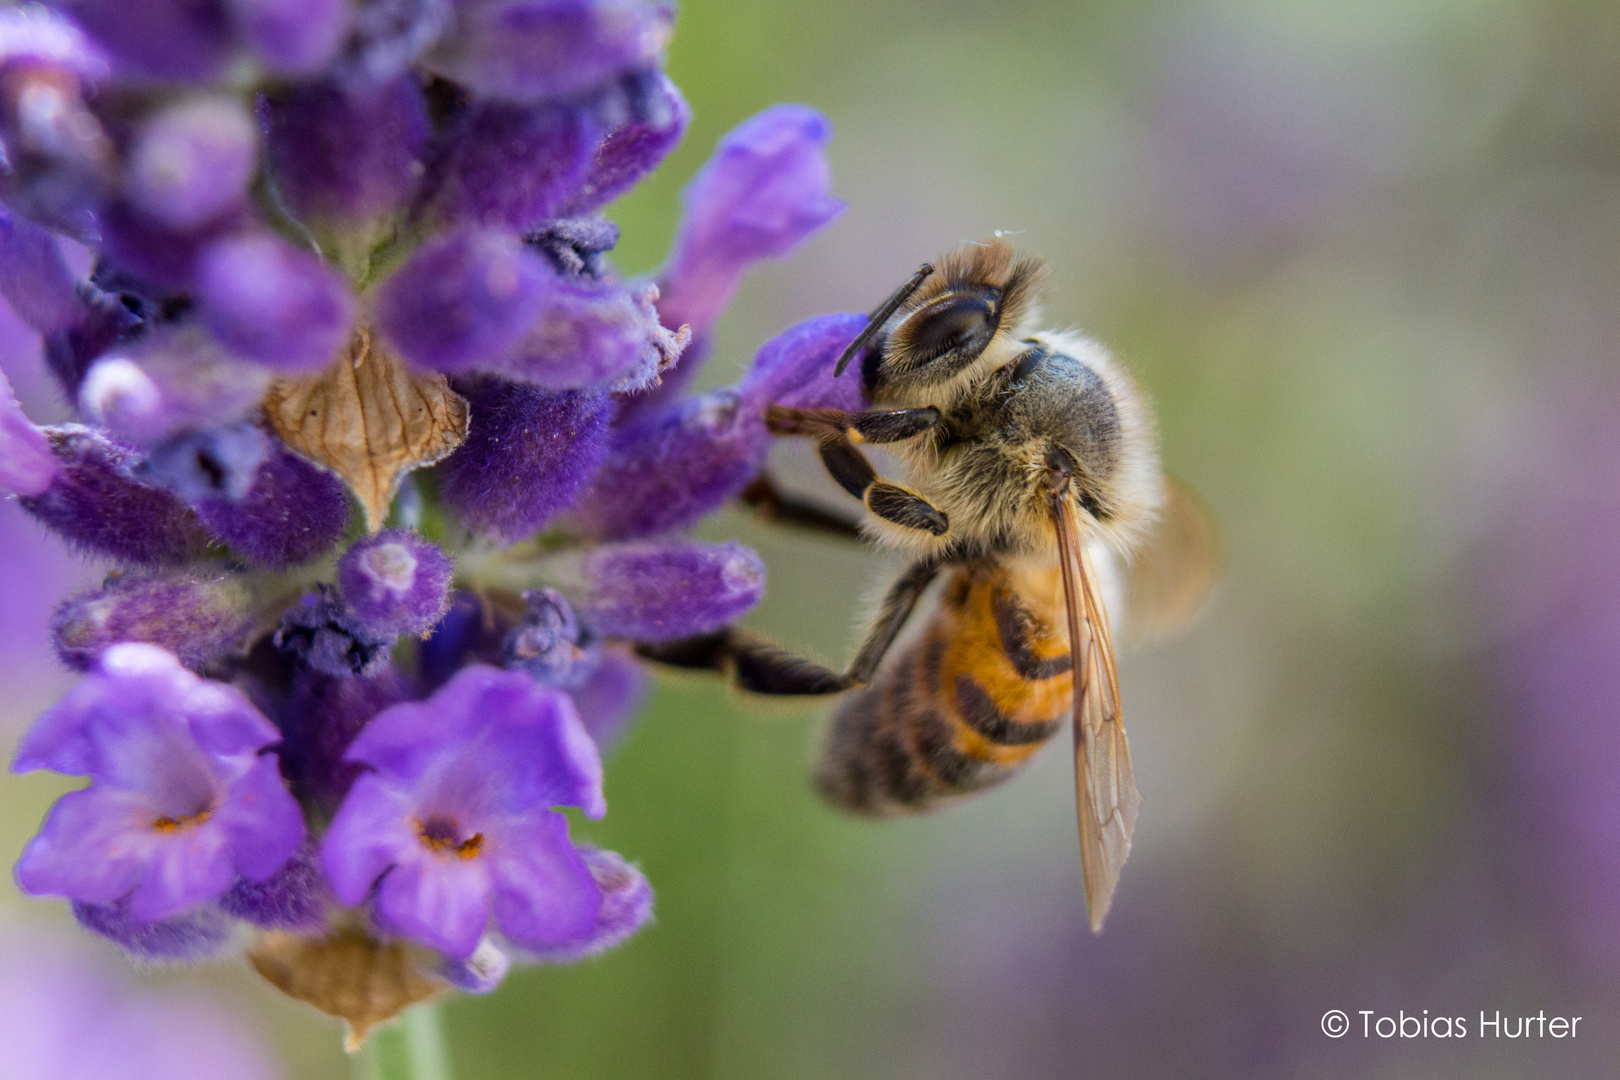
(39, 38)
(192, 162)
(176, 40)
(462, 301)
(263, 824)
(543, 891)
(35, 278)
(195, 935)
(161, 259)
(322, 716)
(479, 973)
(609, 697)
(296, 897)
(528, 455)
(173, 379)
(183, 869)
(293, 512)
(633, 150)
(658, 592)
(273, 303)
(346, 154)
(27, 465)
(371, 831)
(292, 37)
(91, 846)
(764, 191)
(588, 333)
(531, 50)
(199, 619)
(508, 167)
(795, 368)
(97, 505)
(395, 582)
(627, 903)
(441, 901)
(675, 466)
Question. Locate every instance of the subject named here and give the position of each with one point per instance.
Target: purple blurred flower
(292, 37)
(27, 465)
(34, 277)
(196, 934)
(270, 302)
(661, 591)
(657, 120)
(173, 379)
(192, 162)
(182, 798)
(510, 167)
(395, 582)
(454, 826)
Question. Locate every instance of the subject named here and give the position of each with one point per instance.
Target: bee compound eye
(953, 324)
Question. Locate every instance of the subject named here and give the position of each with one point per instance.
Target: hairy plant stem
(414, 1048)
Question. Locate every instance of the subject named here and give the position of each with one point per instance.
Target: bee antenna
(881, 316)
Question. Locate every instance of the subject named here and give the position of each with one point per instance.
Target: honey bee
(1030, 458)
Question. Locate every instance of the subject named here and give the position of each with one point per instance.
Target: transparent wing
(1174, 572)
(1105, 785)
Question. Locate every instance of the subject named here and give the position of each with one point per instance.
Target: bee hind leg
(771, 503)
(754, 665)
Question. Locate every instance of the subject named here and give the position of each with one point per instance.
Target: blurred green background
(1363, 255)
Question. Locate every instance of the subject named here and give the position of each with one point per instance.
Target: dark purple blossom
(343, 155)
(513, 167)
(795, 368)
(178, 40)
(34, 277)
(591, 333)
(395, 582)
(660, 591)
(292, 513)
(462, 301)
(319, 718)
(656, 121)
(322, 634)
(296, 897)
(292, 37)
(533, 50)
(97, 505)
(192, 162)
(270, 302)
(454, 826)
(199, 619)
(196, 934)
(528, 455)
(182, 800)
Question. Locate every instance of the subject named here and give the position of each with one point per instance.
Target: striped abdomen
(967, 702)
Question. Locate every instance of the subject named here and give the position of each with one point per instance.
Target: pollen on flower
(441, 835)
(167, 824)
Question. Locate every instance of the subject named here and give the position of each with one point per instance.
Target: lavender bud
(292, 513)
(609, 696)
(395, 583)
(627, 903)
(546, 643)
(172, 40)
(294, 898)
(532, 50)
(506, 167)
(196, 935)
(35, 278)
(795, 368)
(346, 155)
(192, 162)
(27, 465)
(462, 301)
(657, 119)
(199, 619)
(662, 591)
(96, 504)
(161, 259)
(268, 301)
(292, 37)
(529, 454)
(586, 333)
(322, 633)
(479, 973)
(221, 463)
(171, 380)
(671, 468)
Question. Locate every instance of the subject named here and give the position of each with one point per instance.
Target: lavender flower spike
(764, 191)
(454, 826)
(182, 798)
(657, 592)
(395, 582)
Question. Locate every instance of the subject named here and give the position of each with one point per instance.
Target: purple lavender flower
(454, 826)
(627, 903)
(657, 116)
(182, 798)
(395, 582)
(510, 167)
(196, 618)
(178, 40)
(270, 302)
(191, 163)
(290, 514)
(652, 591)
(292, 37)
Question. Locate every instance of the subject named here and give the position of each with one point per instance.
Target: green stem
(414, 1048)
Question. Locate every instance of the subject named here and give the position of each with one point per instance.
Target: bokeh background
(1365, 256)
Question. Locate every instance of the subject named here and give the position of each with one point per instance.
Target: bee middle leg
(838, 435)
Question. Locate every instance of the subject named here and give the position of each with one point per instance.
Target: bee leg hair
(837, 438)
(752, 664)
(898, 603)
(771, 503)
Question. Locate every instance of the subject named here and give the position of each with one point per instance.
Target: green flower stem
(412, 1049)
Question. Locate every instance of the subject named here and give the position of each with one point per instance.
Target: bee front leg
(838, 435)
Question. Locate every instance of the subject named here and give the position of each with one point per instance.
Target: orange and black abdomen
(973, 697)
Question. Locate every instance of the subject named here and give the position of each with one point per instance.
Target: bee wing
(1104, 782)
(1174, 572)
